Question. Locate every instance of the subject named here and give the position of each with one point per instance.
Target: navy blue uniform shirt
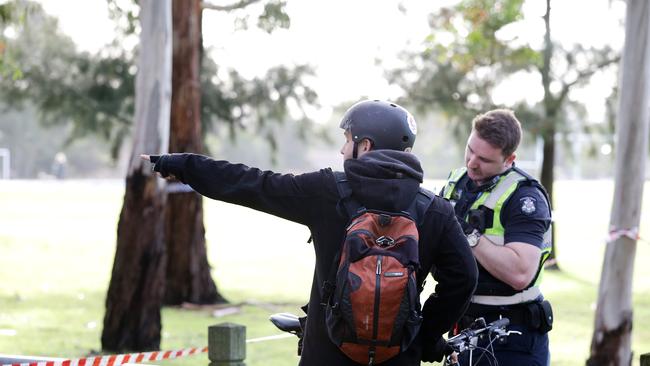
(525, 217)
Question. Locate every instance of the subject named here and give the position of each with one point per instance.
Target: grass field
(57, 241)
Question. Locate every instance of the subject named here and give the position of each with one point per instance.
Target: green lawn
(57, 241)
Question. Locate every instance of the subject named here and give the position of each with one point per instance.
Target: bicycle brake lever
(513, 332)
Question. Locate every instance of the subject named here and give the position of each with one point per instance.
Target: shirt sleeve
(526, 216)
(292, 197)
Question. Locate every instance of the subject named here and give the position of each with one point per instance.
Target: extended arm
(284, 195)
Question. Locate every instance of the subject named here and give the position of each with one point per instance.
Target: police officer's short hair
(500, 128)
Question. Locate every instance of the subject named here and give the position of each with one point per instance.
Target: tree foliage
(254, 103)
(92, 93)
(464, 60)
(272, 17)
(473, 49)
(12, 16)
(95, 92)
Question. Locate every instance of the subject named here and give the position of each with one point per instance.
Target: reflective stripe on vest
(494, 200)
(453, 179)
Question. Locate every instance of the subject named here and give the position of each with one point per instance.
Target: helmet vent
(393, 105)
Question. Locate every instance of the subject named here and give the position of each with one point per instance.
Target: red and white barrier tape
(270, 338)
(116, 360)
(632, 233)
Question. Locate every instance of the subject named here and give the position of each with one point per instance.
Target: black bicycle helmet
(387, 125)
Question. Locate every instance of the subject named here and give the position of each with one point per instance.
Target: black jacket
(382, 179)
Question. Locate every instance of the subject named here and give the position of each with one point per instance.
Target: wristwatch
(473, 238)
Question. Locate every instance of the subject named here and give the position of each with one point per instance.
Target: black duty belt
(518, 314)
(537, 315)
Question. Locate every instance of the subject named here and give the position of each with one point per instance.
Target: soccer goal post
(5, 163)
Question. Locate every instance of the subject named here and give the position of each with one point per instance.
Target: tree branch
(241, 4)
(585, 74)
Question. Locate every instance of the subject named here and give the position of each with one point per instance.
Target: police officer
(506, 216)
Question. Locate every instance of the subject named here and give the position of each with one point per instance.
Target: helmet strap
(355, 147)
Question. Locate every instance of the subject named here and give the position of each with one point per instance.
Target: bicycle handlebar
(479, 327)
(466, 338)
(499, 323)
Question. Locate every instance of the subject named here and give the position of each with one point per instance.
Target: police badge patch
(527, 205)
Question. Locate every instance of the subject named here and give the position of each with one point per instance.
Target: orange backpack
(371, 297)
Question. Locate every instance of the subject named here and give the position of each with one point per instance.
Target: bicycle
(465, 340)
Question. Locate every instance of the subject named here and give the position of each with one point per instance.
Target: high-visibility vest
(494, 200)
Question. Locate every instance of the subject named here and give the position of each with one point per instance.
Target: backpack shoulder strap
(347, 207)
(417, 211)
(342, 184)
(420, 205)
(346, 202)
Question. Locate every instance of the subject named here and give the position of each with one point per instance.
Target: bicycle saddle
(286, 322)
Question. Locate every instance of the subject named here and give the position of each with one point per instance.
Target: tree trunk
(611, 340)
(188, 271)
(547, 175)
(132, 318)
(551, 110)
(547, 178)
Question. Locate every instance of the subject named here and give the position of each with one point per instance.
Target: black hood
(384, 179)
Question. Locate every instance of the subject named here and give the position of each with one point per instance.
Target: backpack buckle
(385, 241)
(328, 288)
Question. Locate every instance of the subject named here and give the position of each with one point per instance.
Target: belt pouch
(547, 316)
(534, 315)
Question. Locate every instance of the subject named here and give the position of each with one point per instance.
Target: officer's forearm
(514, 263)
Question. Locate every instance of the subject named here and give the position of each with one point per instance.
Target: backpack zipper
(375, 317)
(375, 320)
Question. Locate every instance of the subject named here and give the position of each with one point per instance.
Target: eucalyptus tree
(132, 318)
(612, 337)
(188, 272)
(187, 276)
